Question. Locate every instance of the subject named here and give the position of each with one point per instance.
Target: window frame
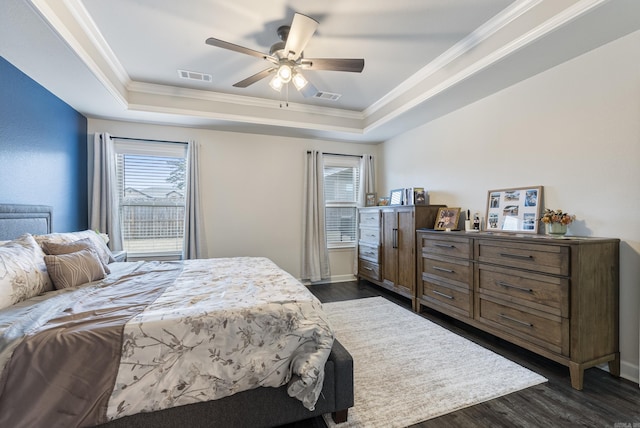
(342, 161)
(150, 148)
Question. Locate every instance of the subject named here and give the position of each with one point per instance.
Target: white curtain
(367, 179)
(193, 224)
(315, 255)
(103, 198)
(367, 185)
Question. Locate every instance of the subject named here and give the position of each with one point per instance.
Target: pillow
(73, 269)
(23, 273)
(56, 249)
(59, 238)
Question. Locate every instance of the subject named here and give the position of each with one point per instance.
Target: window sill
(153, 256)
(345, 248)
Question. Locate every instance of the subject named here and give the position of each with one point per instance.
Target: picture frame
(414, 196)
(371, 199)
(447, 218)
(395, 198)
(514, 210)
(420, 196)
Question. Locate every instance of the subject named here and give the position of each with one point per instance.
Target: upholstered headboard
(17, 219)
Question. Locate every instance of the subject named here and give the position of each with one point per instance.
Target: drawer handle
(444, 245)
(515, 287)
(443, 295)
(367, 268)
(441, 269)
(526, 324)
(516, 256)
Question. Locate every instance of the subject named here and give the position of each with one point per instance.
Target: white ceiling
(119, 59)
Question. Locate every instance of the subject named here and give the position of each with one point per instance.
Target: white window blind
(341, 182)
(151, 187)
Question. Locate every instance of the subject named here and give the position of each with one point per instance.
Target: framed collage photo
(514, 210)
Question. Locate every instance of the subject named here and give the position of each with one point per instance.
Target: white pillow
(23, 273)
(66, 237)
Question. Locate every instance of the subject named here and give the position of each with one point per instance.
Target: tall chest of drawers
(555, 297)
(369, 235)
(386, 245)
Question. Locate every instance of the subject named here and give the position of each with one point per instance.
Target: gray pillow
(58, 248)
(73, 269)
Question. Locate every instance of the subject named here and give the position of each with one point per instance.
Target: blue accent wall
(43, 150)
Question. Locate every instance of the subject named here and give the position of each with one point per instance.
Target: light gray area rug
(408, 369)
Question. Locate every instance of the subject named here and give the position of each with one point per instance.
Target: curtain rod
(339, 154)
(146, 139)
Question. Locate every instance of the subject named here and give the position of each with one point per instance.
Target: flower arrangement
(556, 216)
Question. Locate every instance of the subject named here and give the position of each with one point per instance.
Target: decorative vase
(557, 229)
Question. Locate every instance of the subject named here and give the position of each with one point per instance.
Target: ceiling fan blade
(335, 64)
(236, 48)
(253, 79)
(302, 28)
(309, 90)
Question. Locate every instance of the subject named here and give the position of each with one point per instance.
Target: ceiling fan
(286, 58)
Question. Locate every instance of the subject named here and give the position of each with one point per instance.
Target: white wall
(252, 190)
(574, 129)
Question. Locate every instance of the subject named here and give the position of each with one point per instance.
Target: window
(341, 182)
(151, 187)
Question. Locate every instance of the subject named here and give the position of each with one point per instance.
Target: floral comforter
(157, 335)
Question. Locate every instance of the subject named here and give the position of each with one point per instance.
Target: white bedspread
(225, 326)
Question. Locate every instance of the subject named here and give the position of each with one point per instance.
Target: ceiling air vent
(194, 75)
(327, 96)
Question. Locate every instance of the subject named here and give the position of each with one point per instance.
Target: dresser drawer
(455, 271)
(435, 293)
(553, 259)
(369, 270)
(369, 218)
(542, 329)
(451, 246)
(542, 292)
(369, 252)
(370, 235)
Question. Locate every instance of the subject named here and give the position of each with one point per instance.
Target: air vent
(327, 96)
(194, 75)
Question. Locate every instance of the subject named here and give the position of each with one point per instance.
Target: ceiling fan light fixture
(284, 73)
(299, 81)
(276, 83)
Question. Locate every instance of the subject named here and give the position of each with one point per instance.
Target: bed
(234, 342)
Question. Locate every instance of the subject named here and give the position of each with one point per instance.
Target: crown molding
(240, 100)
(411, 100)
(482, 33)
(61, 19)
(522, 23)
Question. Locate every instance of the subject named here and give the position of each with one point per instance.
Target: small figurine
(476, 221)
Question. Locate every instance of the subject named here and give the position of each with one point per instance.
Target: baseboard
(343, 278)
(333, 279)
(628, 371)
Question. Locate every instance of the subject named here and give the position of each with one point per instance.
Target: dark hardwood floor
(605, 401)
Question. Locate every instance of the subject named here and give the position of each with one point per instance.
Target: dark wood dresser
(557, 297)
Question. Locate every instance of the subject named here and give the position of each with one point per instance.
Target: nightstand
(120, 256)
